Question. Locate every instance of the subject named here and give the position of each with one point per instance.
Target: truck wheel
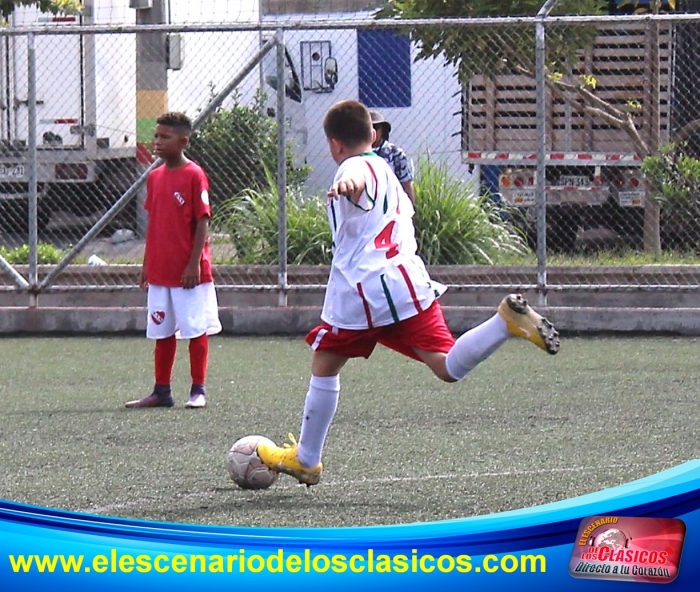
(562, 228)
(15, 216)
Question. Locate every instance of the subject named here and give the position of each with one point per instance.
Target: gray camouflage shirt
(397, 159)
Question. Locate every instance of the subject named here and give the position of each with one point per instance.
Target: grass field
(523, 429)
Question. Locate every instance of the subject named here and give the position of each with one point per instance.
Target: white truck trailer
(593, 174)
(86, 144)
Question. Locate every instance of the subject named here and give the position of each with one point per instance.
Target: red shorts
(427, 331)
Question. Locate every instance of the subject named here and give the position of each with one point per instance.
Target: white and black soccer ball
(245, 467)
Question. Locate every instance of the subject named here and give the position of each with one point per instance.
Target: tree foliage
(490, 50)
(236, 145)
(510, 48)
(674, 175)
(7, 7)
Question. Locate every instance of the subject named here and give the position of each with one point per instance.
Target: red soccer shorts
(427, 331)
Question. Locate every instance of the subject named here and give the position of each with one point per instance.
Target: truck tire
(14, 215)
(562, 228)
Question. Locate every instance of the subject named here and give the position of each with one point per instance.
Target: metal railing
(524, 160)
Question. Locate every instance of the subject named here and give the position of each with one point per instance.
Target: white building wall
(212, 60)
(430, 125)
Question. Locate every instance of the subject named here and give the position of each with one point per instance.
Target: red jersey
(175, 200)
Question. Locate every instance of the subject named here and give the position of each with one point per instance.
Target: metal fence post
(90, 84)
(32, 169)
(540, 181)
(281, 172)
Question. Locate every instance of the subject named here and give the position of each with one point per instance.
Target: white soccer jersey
(376, 277)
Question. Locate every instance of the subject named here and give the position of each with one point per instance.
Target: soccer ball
(245, 467)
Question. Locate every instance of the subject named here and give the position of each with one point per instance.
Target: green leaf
(490, 50)
(74, 7)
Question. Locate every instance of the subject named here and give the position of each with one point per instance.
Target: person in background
(395, 156)
(177, 268)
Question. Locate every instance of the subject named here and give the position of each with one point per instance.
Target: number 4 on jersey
(383, 241)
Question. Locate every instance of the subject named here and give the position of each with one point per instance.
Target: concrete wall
(656, 299)
(298, 320)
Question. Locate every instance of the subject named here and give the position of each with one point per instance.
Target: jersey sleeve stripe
(335, 221)
(376, 186)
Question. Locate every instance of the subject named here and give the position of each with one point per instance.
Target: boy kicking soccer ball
(380, 292)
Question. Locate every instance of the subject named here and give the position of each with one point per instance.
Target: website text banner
(655, 521)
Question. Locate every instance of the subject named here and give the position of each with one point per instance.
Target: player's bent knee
(436, 362)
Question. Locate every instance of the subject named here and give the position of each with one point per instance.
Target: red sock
(165, 359)
(199, 359)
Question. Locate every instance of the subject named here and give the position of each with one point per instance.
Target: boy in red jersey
(379, 291)
(177, 269)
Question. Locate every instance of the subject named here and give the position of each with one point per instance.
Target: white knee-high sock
(475, 346)
(319, 409)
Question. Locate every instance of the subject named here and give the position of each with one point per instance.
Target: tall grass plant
(251, 222)
(456, 226)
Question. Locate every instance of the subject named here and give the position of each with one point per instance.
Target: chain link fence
(555, 157)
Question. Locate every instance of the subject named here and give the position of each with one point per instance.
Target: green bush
(457, 227)
(250, 222)
(674, 176)
(236, 145)
(47, 254)
(454, 226)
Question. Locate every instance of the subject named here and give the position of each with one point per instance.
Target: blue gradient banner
(528, 549)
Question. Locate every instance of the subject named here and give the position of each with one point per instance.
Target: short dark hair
(176, 120)
(349, 122)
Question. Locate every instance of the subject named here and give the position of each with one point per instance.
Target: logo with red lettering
(628, 549)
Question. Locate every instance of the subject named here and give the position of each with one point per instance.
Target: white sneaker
(197, 401)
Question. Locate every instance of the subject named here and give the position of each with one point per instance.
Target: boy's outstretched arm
(351, 187)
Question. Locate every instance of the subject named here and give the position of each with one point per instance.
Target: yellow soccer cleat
(284, 459)
(522, 321)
